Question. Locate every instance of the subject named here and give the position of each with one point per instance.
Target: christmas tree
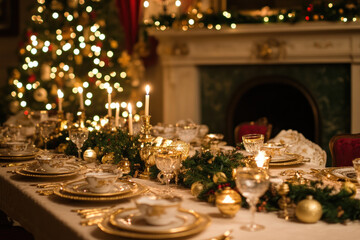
(70, 44)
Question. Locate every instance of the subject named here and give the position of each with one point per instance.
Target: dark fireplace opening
(286, 103)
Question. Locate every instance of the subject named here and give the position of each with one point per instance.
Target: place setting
(154, 218)
(100, 184)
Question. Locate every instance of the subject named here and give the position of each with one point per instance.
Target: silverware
(225, 236)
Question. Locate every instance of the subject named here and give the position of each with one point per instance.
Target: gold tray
(26, 174)
(138, 191)
(184, 215)
(80, 183)
(298, 160)
(106, 226)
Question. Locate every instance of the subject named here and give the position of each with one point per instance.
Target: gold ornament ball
(108, 158)
(308, 210)
(124, 165)
(350, 188)
(90, 155)
(196, 188)
(219, 177)
(228, 202)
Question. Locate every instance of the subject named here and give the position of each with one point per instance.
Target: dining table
(52, 217)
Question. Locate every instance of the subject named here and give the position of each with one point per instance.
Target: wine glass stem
(45, 143)
(79, 153)
(252, 203)
(167, 178)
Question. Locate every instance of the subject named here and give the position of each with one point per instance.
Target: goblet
(13, 131)
(78, 136)
(167, 160)
(187, 133)
(253, 142)
(252, 184)
(46, 129)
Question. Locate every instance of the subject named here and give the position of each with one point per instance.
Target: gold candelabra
(146, 140)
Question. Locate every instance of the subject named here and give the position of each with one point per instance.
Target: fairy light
(58, 52)
(102, 64)
(55, 15)
(218, 27)
(139, 104)
(66, 68)
(101, 86)
(107, 85)
(87, 102)
(23, 104)
(81, 39)
(40, 9)
(73, 35)
(96, 118)
(70, 18)
(191, 21)
(52, 75)
(48, 106)
(98, 75)
(92, 38)
(90, 74)
(266, 19)
(178, 3)
(330, 5)
(123, 105)
(120, 89)
(45, 49)
(28, 86)
(33, 51)
(113, 105)
(146, 4)
(93, 28)
(59, 37)
(82, 45)
(76, 51)
(123, 74)
(86, 84)
(97, 33)
(20, 95)
(19, 85)
(75, 90)
(61, 74)
(233, 25)
(15, 82)
(102, 36)
(107, 78)
(25, 66)
(13, 94)
(89, 95)
(66, 47)
(125, 114)
(88, 9)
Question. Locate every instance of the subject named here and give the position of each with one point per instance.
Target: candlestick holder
(146, 140)
(61, 122)
(82, 117)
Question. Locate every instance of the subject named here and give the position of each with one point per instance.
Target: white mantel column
(181, 93)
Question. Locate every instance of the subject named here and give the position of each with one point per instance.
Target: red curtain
(129, 12)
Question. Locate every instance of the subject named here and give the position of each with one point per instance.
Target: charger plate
(36, 175)
(35, 168)
(138, 190)
(342, 173)
(130, 219)
(79, 188)
(107, 227)
(17, 156)
(297, 160)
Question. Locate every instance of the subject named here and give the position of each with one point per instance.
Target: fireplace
(201, 65)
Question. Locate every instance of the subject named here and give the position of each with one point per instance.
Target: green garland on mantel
(344, 11)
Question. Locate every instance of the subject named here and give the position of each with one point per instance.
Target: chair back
(259, 126)
(344, 148)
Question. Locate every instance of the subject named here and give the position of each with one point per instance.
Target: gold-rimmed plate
(131, 220)
(33, 175)
(298, 159)
(137, 190)
(107, 227)
(287, 157)
(342, 173)
(35, 168)
(17, 156)
(80, 188)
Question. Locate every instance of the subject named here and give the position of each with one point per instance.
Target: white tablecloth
(49, 217)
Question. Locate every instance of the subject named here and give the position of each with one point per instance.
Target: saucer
(81, 188)
(35, 168)
(283, 158)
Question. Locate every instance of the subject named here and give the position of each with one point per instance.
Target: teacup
(17, 146)
(158, 211)
(274, 149)
(102, 180)
(48, 163)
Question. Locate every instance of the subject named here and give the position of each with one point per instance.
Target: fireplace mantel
(301, 43)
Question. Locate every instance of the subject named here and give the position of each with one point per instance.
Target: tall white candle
(130, 120)
(61, 98)
(109, 90)
(147, 100)
(117, 114)
(80, 90)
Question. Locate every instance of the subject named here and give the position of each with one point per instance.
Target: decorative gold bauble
(219, 177)
(124, 165)
(90, 155)
(108, 158)
(308, 210)
(196, 188)
(228, 202)
(350, 188)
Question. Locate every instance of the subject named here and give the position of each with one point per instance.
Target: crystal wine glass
(46, 129)
(252, 184)
(78, 136)
(253, 142)
(187, 133)
(167, 160)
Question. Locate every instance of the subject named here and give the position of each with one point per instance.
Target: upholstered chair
(259, 126)
(344, 148)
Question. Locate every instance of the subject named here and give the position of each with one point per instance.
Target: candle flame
(109, 90)
(60, 93)
(228, 199)
(80, 90)
(129, 108)
(147, 89)
(261, 158)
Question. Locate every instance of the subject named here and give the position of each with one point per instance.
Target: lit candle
(61, 97)
(117, 114)
(130, 120)
(261, 159)
(80, 90)
(147, 99)
(109, 90)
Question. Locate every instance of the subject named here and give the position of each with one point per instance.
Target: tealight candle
(228, 202)
(147, 100)
(130, 120)
(109, 90)
(61, 97)
(262, 160)
(80, 90)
